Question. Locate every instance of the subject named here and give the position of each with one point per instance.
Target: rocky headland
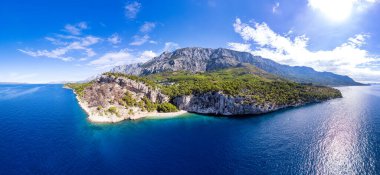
(172, 85)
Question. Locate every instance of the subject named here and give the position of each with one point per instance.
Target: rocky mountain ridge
(204, 59)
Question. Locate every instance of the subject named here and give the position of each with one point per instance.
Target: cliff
(217, 103)
(112, 98)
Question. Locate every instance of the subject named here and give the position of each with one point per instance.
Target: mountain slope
(241, 90)
(203, 59)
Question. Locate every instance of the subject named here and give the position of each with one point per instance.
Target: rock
(204, 59)
(217, 103)
(108, 91)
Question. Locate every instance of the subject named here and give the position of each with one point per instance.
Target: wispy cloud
(114, 39)
(76, 29)
(170, 46)
(79, 44)
(147, 27)
(346, 58)
(139, 40)
(66, 44)
(275, 7)
(143, 36)
(122, 57)
(132, 9)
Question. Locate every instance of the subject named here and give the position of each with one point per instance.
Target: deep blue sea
(44, 131)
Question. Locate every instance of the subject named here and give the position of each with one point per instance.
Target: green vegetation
(254, 85)
(129, 100)
(166, 107)
(246, 81)
(79, 87)
(144, 80)
(130, 112)
(149, 105)
(146, 104)
(113, 110)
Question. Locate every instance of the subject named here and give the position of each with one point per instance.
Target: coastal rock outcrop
(217, 103)
(108, 90)
(112, 99)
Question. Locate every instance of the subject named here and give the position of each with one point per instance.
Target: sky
(44, 41)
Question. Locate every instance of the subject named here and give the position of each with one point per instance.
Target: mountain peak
(197, 59)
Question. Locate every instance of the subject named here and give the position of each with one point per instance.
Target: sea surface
(44, 131)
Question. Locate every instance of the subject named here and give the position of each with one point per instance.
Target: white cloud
(147, 27)
(76, 29)
(121, 57)
(67, 44)
(153, 42)
(345, 59)
(131, 9)
(240, 47)
(139, 40)
(170, 46)
(275, 7)
(114, 39)
(79, 44)
(112, 59)
(147, 55)
(56, 53)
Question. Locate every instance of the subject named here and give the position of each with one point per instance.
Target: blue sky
(45, 41)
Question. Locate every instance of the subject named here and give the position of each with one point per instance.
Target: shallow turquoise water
(44, 131)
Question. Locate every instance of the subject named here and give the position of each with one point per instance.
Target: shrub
(79, 87)
(113, 110)
(166, 107)
(129, 100)
(149, 105)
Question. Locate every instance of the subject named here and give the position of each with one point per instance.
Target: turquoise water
(44, 131)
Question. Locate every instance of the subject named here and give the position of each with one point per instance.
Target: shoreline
(150, 115)
(95, 117)
(116, 119)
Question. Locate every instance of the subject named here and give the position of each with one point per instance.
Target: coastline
(95, 117)
(115, 119)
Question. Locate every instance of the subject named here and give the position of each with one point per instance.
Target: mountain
(204, 59)
(241, 90)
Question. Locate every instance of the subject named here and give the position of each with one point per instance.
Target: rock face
(204, 59)
(217, 103)
(109, 91)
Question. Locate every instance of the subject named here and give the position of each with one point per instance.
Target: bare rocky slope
(204, 59)
(114, 98)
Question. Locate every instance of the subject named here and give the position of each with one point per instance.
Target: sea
(43, 130)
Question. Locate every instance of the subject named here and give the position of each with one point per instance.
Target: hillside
(203, 59)
(239, 90)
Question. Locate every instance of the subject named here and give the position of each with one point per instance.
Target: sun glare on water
(334, 10)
